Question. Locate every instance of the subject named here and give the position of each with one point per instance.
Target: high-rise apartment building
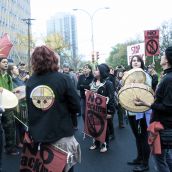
(12, 13)
(65, 25)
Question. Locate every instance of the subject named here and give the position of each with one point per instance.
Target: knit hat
(168, 54)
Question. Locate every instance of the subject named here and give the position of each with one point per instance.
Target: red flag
(95, 116)
(5, 45)
(48, 158)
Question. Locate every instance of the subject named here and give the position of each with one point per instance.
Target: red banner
(95, 116)
(151, 42)
(5, 45)
(47, 159)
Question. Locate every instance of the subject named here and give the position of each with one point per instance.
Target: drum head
(129, 93)
(20, 92)
(8, 99)
(134, 76)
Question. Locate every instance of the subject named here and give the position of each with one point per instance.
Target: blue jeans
(163, 162)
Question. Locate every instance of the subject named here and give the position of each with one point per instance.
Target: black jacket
(53, 122)
(84, 83)
(154, 81)
(162, 107)
(107, 90)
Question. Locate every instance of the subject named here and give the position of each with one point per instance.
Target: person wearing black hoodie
(84, 83)
(104, 87)
(162, 109)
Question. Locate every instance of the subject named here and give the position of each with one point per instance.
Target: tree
(118, 55)
(165, 35)
(57, 43)
(21, 48)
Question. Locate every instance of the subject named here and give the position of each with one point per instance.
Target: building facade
(65, 25)
(12, 13)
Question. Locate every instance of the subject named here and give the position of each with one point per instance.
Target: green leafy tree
(118, 55)
(165, 35)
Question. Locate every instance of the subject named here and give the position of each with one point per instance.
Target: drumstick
(21, 122)
(2, 109)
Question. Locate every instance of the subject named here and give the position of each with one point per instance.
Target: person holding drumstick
(51, 98)
(162, 109)
(7, 117)
(139, 129)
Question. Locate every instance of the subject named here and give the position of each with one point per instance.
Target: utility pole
(28, 22)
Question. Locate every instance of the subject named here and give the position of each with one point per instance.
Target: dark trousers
(121, 113)
(71, 169)
(1, 144)
(74, 120)
(83, 106)
(139, 129)
(111, 127)
(9, 128)
(163, 161)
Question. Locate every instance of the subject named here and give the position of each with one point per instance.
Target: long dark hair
(139, 59)
(44, 60)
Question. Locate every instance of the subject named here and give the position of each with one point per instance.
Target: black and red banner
(47, 159)
(95, 116)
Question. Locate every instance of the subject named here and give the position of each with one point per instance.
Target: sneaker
(93, 147)
(121, 126)
(135, 162)
(103, 149)
(141, 168)
(13, 151)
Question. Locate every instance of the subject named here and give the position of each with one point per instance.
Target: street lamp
(91, 16)
(28, 22)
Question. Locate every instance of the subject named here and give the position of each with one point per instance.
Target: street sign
(151, 42)
(136, 49)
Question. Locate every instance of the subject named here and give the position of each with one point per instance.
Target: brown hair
(44, 60)
(139, 59)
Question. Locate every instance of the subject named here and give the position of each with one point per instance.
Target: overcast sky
(126, 19)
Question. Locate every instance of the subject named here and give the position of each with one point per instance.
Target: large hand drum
(20, 92)
(8, 100)
(134, 76)
(128, 93)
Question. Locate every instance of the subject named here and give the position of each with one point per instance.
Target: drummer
(13, 71)
(138, 125)
(7, 117)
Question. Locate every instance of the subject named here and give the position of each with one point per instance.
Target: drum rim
(128, 73)
(136, 85)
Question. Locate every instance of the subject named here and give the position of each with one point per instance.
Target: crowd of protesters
(58, 119)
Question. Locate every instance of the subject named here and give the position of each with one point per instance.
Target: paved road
(121, 150)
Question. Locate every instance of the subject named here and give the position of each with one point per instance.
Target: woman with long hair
(139, 128)
(104, 87)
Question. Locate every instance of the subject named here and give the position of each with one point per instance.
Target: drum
(20, 92)
(8, 100)
(128, 93)
(134, 76)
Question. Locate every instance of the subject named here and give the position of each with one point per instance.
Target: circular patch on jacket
(42, 97)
